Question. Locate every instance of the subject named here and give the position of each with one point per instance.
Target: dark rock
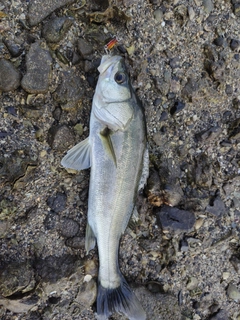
(57, 113)
(219, 41)
(55, 29)
(201, 171)
(60, 137)
(58, 202)
(177, 107)
(85, 48)
(122, 49)
(234, 44)
(52, 268)
(220, 315)
(236, 8)
(208, 135)
(237, 56)
(50, 222)
(157, 102)
(228, 89)
(39, 66)
(175, 219)
(70, 90)
(14, 48)
(236, 103)
(164, 116)
(155, 287)
(217, 208)
(38, 10)
(69, 228)
(9, 76)
(234, 130)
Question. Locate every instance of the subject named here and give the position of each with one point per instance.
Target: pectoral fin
(105, 136)
(79, 157)
(90, 240)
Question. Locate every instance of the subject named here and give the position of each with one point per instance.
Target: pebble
(220, 315)
(69, 228)
(236, 7)
(14, 48)
(87, 294)
(208, 6)
(39, 66)
(60, 137)
(9, 76)
(85, 48)
(192, 283)
(50, 222)
(191, 13)
(234, 44)
(235, 261)
(219, 41)
(57, 202)
(158, 15)
(177, 107)
(209, 134)
(39, 10)
(175, 219)
(70, 90)
(54, 30)
(233, 292)
(218, 208)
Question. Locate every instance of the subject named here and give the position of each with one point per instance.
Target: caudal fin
(121, 300)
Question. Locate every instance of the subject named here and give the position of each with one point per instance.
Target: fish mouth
(108, 63)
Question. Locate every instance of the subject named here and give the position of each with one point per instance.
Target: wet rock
(70, 90)
(53, 268)
(208, 6)
(14, 48)
(177, 107)
(55, 29)
(220, 315)
(87, 293)
(175, 219)
(39, 66)
(9, 76)
(16, 278)
(69, 228)
(58, 202)
(60, 137)
(234, 44)
(84, 48)
(233, 292)
(209, 134)
(38, 10)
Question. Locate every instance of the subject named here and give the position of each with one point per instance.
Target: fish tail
(121, 300)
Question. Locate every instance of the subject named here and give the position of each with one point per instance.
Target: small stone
(87, 294)
(39, 10)
(192, 283)
(190, 88)
(60, 137)
(14, 48)
(9, 76)
(219, 41)
(234, 44)
(218, 208)
(236, 8)
(208, 135)
(235, 261)
(220, 315)
(39, 66)
(158, 15)
(175, 219)
(164, 116)
(69, 228)
(208, 6)
(84, 48)
(58, 202)
(228, 89)
(55, 29)
(191, 13)
(178, 106)
(50, 222)
(75, 243)
(157, 102)
(233, 292)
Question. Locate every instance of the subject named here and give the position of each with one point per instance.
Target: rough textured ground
(183, 256)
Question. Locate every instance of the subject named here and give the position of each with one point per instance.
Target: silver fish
(117, 154)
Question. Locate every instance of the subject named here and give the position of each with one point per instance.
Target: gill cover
(111, 102)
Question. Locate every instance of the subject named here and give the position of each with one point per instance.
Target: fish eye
(120, 77)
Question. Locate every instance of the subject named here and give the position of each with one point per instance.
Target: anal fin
(90, 239)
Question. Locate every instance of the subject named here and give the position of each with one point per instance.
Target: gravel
(183, 58)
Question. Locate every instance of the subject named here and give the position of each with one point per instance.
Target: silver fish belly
(115, 150)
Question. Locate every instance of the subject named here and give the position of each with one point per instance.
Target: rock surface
(9, 76)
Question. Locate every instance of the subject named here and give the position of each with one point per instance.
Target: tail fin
(121, 300)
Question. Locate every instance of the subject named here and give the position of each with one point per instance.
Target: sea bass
(117, 154)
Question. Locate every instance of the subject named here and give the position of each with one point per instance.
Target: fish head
(111, 102)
